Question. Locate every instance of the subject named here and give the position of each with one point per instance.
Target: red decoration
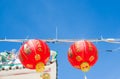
(82, 55)
(34, 54)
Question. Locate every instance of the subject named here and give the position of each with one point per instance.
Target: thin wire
(56, 33)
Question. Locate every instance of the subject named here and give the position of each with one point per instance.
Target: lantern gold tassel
(85, 77)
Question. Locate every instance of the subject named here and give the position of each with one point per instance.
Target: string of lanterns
(34, 54)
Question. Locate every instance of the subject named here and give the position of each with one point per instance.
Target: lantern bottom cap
(40, 67)
(85, 67)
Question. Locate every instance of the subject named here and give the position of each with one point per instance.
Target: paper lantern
(82, 55)
(34, 54)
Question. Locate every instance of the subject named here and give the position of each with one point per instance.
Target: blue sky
(75, 19)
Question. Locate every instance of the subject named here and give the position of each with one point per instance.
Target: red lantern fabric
(34, 54)
(82, 55)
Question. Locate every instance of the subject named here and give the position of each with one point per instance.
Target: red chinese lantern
(82, 55)
(34, 54)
